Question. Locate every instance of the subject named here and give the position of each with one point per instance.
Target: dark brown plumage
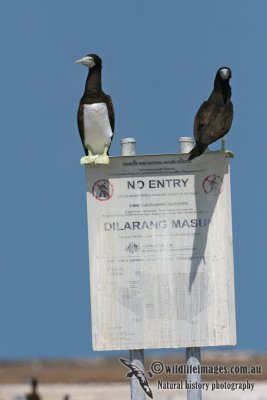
(214, 117)
(93, 94)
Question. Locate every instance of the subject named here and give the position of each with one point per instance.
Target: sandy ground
(107, 377)
(104, 370)
(122, 392)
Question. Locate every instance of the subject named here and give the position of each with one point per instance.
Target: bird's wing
(139, 375)
(80, 125)
(225, 119)
(143, 382)
(129, 365)
(212, 122)
(111, 114)
(202, 121)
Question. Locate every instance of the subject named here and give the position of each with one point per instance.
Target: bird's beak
(87, 61)
(225, 73)
(81, 61)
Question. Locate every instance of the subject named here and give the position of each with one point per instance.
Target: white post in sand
(193, 356)
(128, 148)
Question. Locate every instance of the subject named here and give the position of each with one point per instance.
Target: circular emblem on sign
(103, 190)
(212, 184)
(132, 247)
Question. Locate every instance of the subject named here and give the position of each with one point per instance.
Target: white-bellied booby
(95, 114)
(214, 117)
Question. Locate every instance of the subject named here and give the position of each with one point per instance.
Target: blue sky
(159, 64)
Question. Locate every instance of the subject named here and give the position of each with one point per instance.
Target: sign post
(193, 359)
(193, 354)
(161, 261)
(128, 148)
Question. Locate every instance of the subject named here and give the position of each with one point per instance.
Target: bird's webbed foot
(103, 158)
(90, 159)
(223, 150)
(229, 153)
(96, 158)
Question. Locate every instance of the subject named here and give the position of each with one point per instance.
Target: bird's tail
(197, 150)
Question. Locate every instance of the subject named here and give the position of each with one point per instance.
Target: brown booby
(214, 117)
(33, 395)
(95, 114)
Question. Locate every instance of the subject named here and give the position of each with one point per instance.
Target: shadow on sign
(209, 188)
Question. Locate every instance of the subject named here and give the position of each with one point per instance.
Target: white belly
(97, 130)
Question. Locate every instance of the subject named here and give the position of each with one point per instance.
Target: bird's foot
(91, 159)
(102, 159)
(229, 153)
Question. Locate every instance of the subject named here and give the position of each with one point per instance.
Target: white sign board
(160, 249)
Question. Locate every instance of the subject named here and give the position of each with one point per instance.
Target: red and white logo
(212, 184)
(103, 190)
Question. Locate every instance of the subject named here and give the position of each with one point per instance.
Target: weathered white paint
(193, 354)
(171, 283)
(193, 361)
(128, 148)
(186, 144)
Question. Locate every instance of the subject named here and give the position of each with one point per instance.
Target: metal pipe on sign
(128, 148)
(186, 143)
(137, 358)
(193, 361)
(193, 356)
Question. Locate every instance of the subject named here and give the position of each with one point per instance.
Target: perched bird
(140, 375)
(95, 114)
(214, 117)
(33, 395)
